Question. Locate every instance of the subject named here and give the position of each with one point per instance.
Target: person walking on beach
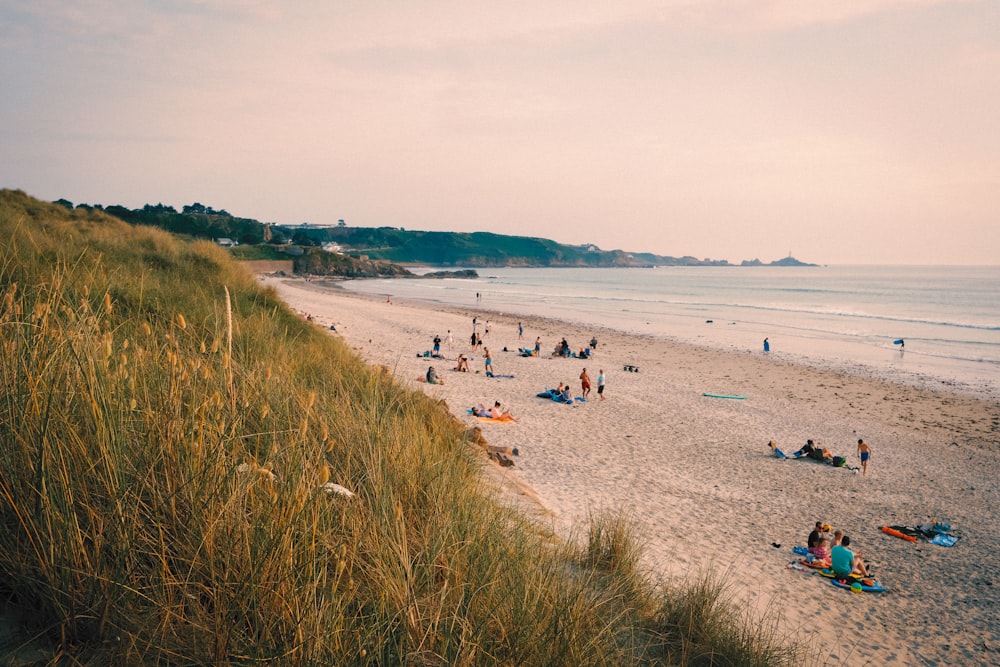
(584, 383)
(600, 383)
(486, 331)
(865, 453)
(520, 331)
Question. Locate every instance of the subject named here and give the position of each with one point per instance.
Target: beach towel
(556, 396)
(943, 540)
(889, 530)
(503, 419)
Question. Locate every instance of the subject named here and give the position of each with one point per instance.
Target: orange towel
(896, 533)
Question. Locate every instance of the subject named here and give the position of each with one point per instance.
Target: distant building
(329, 246)
(226, 243)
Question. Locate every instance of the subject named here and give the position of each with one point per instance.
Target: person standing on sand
(488, 361)
(865, 453)
(584, 383)
(538, 346)
(437, 345)
(448, 339)
(520, 331)
(600, 383)
(767, 345)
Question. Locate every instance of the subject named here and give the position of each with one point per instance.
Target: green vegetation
(171, 433)
(258, 252)
(321, 263)
(476, 249)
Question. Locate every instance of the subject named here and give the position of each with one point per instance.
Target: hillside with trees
(393, 244)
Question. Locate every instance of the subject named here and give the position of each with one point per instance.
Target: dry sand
(697, 477)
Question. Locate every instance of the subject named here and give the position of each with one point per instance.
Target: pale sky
(842, 131)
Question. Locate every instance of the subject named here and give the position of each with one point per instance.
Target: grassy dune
(170, 432)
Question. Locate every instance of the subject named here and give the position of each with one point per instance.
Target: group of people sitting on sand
(815, 452)
(835, 551)
(563, 350)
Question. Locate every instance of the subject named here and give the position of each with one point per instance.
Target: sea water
(846, 317)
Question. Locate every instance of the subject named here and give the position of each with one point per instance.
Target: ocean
(844, 317)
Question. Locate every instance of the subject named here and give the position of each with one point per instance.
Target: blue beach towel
(943, 540)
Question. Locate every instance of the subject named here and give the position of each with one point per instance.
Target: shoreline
(727, 327)
(696, 475)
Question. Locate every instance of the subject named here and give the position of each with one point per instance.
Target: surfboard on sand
(733, 396)
(898, 341)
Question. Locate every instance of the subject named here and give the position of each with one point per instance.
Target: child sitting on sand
(822, 550)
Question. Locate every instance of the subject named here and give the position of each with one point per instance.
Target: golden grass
(169, 432)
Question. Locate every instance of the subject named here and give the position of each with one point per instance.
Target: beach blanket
(889, 530)
(503, 419)
(557, 397)
(939, 534)
(944, 540)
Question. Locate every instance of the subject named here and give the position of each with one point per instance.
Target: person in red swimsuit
(584, 383)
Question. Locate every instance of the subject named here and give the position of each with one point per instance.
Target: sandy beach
(697, 477)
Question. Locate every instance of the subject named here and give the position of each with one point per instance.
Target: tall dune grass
(170, 433)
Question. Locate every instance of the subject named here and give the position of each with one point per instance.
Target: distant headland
(357, 252)
(784, 261)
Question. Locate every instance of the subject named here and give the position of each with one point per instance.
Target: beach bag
(839, 461)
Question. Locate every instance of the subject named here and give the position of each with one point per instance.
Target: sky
(846, 132)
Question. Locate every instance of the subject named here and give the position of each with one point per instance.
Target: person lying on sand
(496, 412)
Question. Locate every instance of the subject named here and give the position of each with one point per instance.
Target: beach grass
(193, 474)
